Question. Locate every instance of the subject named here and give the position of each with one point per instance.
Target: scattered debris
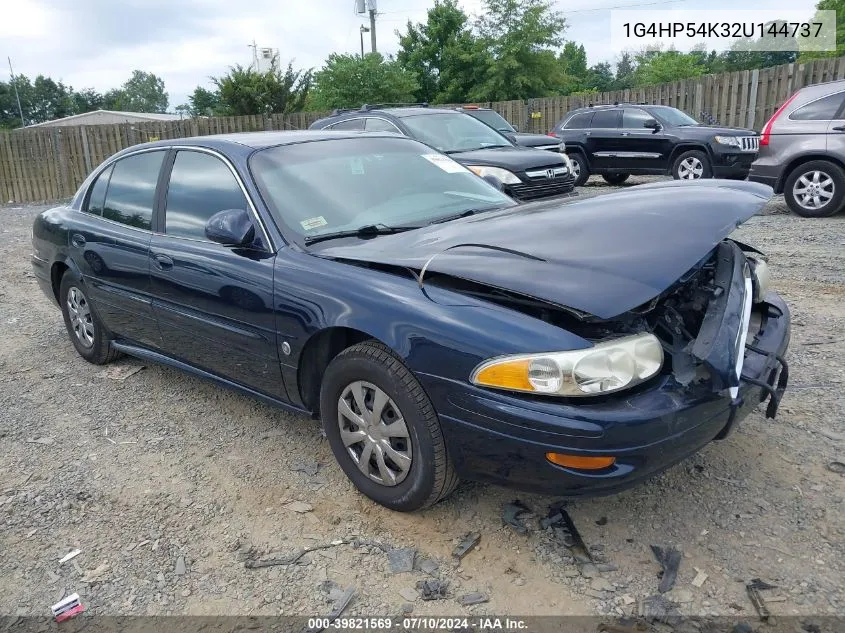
(742, 627)
(292, 558)
(513, 514)
(628, 599)
(700, 578)
(658, 608)
(180, 569)
(601, 584)
(120, 372)
(670, 559)
(428, 566)
(309, 467)
(836, 467)
(588, 570)
(831, 435)
(753, 589)
(606, 567)
(409, 594)
(467, 544)
(299, 507)
(67, 608)
(401, 559)
(407, 608)
(96, 574)
(432, 589)
(566, 532)
(681, 596)
(601, 521)
(470, 599)
(337, 610)
(69, 556)
(44, 441)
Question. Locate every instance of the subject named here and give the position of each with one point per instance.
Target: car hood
(535, 140)
(511, 158)
(602, 256)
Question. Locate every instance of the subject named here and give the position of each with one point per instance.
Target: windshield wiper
(466, 214)
(369, 230)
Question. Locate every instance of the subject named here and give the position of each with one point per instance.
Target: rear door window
(579, 121)
(375, 124)
(824, 109)
(606, 119)
(130, 196)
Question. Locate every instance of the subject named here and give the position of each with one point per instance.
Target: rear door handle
(77, 240)
(162, 262)
(839, 128)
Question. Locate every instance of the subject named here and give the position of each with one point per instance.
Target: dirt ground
(168, 484)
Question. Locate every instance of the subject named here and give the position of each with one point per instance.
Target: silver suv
(802, 151)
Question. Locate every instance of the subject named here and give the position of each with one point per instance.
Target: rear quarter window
(824, 109)
(579, 121)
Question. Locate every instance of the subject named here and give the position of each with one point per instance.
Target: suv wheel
(579, 168)
(615, 179)
(691, 165)
(815, 189)
(383, 430)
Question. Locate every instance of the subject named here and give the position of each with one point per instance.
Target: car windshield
(493, 119)
(343, 184)
(453, 132)
(673, 116)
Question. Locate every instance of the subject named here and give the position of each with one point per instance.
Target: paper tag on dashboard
(445, 163)
(313, 223)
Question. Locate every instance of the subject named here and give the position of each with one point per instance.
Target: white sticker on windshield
(445, 163)
(313, 223)
(356, 166)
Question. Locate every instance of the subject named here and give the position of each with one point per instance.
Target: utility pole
(254, 48)
(363, 30)
(373, 26)
(18, 97)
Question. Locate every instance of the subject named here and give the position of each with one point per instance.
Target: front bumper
(732, 164)
(503, 439)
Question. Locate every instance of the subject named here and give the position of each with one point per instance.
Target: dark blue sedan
(438, 329)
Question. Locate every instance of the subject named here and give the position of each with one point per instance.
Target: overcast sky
(97, 43)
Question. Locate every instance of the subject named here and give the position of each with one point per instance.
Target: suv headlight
(504, 175)
(566, 161)
(732, 141)
(603, 368)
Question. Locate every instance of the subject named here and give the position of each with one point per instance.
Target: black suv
(521, 172)
(498, 122)
(615, 141)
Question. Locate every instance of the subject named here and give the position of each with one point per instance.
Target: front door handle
(625, 133)
(162, 262)
(839, 128)
(77, 240)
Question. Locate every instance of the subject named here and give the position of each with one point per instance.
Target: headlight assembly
(603, 368)
(504, 175)
(733, 141)
(567, 161)
(761, 279)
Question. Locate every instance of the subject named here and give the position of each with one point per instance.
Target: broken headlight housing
(600, 369)
(761, 277)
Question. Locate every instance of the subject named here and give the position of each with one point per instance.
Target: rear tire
(692, 165)
(821, 176)
(383, 429)
(85, 329)
(580, 169)
(615, 179)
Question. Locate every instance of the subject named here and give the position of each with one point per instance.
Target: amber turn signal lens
(512, 375)
(581, 462)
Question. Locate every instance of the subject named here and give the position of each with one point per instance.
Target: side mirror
(230, 227)
(510, 136)
(652, 124)
(498, 184)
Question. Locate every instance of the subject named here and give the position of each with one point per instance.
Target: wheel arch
(58, 269)
(796, 162)
(686, 147)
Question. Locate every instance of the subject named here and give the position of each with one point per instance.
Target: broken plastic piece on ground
(67, 608)
(753, 589)
(473, 598)
(401, 559)
(513, 514)
(70, 555)
(292, 558)
(466, 545)
(337, 610)
(658, 608)
(432, 589)
(669, 559)
(566, 532)
(837, 467)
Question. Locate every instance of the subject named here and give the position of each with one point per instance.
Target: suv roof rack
(337, 111)
(378, 106)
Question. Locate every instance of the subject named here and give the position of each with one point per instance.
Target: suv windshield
(453, 132)
(343, 184)
(672, 116)
(492, 118)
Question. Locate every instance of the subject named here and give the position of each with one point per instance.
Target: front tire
(580, 169)
(86, 331)
(615, 179)
(383, 429)
(815, 189)
(692, 165)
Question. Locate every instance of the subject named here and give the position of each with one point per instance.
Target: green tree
(9, 114)
(523, 36)
(86, 100)
(625, 68)
(143, 92)
(204, 102)
(245, 91)
(350, 80)
(443, 54)
(655, 66)
(599, 78)
(572, 62)
(839, 7)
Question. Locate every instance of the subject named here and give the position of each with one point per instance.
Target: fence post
(752, 99)
(86, 153)
(57, 148)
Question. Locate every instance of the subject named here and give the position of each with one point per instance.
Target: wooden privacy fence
(45, 164)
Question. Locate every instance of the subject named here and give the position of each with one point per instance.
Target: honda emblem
(550, 173)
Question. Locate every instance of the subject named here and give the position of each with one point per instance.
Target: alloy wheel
(81, 320)
(374, 433)
(813, 190)
(690, 168)
(576, 168)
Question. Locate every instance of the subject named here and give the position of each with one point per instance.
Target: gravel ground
(167, 484)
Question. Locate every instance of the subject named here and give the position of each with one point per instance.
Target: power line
(622, 6)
